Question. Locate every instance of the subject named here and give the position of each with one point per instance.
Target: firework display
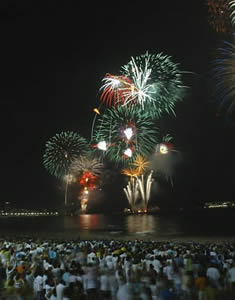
(124, 130)
(231, 6)
(132, 193)
(219, 15)
(152, 82)
(88, 180)
(116, 89)
(141, 163)
(224, 79)
(87, 164)
(158, 83)
(127, 132)
(61, 150)
(131, 172)
(145, 184)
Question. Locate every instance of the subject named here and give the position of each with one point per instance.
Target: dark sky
(53, 59)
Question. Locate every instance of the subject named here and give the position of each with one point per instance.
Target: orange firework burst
(218, 15)
(131, 172)
(141, 164)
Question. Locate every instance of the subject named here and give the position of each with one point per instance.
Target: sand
(115, 236)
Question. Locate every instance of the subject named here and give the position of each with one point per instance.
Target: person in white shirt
(90, 279)
(168, 271)
(60, 290)
(113, 283)
(38, 285)
(105, 290)
(91, 258)
(109, 261)
(213, 275)
(53, 294)
(125, 291)
(231, 276)
(157, 264)
(49, 288)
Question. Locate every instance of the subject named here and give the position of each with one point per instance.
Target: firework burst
(158, 83)
(87, 164)
(224, 78)
(219, 15)
(128, 132)
(131, 172)
(61, 150)
(88, 180)
(116, 89)
(141, 164)
(231, 6)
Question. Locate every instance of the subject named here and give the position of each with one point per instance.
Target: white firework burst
(231, 6)
(141, 91)
(85, 163)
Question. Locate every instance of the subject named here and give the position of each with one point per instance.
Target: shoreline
(66, 236)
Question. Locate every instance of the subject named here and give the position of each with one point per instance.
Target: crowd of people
(116, 270)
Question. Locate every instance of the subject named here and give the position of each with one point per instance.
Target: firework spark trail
(141, 187)
(97, 112)
(132, 192)
(148, 186)
(145, 188)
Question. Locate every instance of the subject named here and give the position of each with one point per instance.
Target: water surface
(202, 225)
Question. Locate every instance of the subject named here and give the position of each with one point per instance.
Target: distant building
(20, 212)
(224, 204)
(7, 206)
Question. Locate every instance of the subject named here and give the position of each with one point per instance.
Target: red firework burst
(117, 90)
(88, 180)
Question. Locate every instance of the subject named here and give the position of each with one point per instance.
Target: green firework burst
(61, 150)
(158, 78)
(112, 126)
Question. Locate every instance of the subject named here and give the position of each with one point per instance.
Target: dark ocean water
(213, 224)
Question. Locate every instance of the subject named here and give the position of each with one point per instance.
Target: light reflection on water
(91, 222)
(120, 225)
(141, 224)
(129, 225)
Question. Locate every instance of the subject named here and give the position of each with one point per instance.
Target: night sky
(53, 59)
